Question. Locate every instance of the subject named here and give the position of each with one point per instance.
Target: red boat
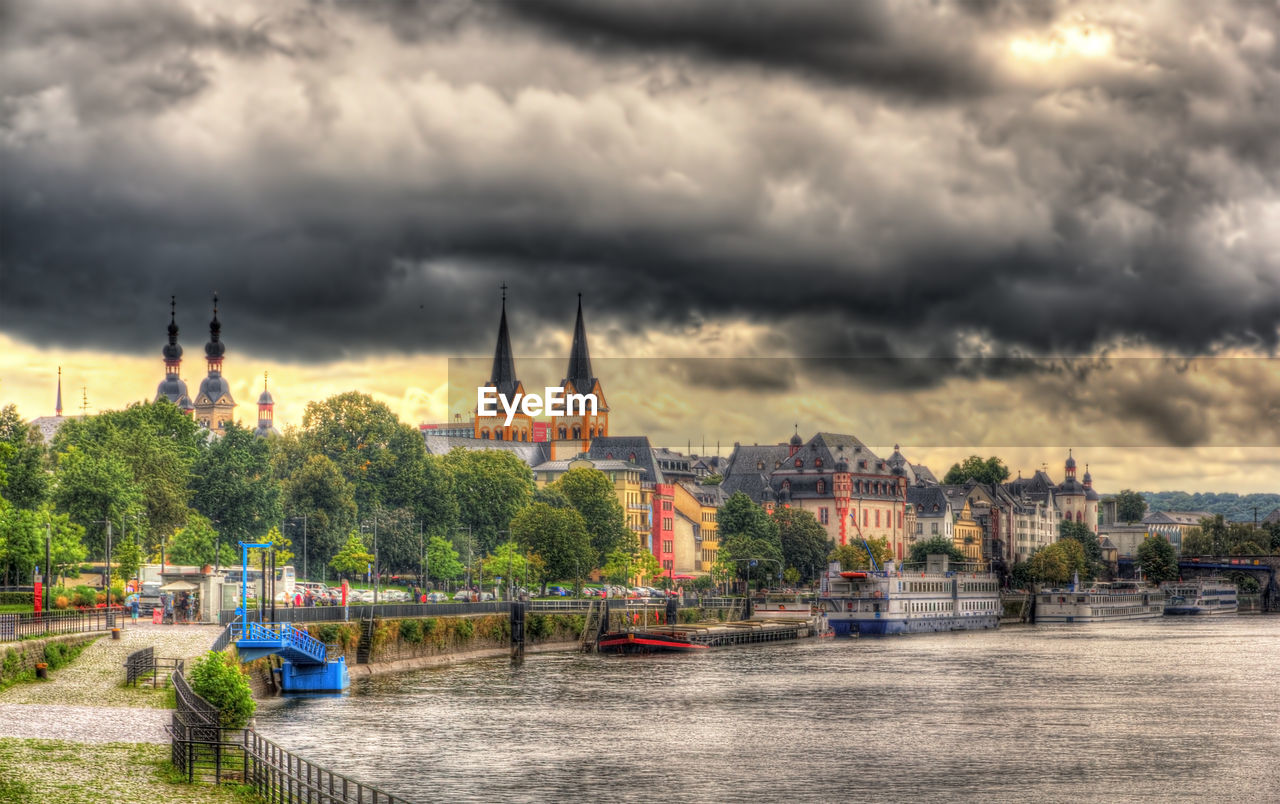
(644, 642)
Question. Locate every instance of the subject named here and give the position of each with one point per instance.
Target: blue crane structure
(306, 666)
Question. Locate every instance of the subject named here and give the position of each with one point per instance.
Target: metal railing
(143, 663)
(23, 626)
(202, 749)
(387, 611)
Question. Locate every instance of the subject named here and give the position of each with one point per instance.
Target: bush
(411, 631)
(329, 633)
(465, 630)
(58, 654)
(86, 596)
(218, 679)
(537, 626)
(429, 626)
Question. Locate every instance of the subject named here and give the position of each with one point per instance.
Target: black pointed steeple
(579, 372)
(503, 375)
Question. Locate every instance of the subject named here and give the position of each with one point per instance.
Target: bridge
(1264, 568)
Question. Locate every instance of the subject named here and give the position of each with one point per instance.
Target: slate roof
(1272, 517)
(707, 495)
(622, 448)
(49, 426)
(749, 467)
(532, 453)
(579, 371)
(602, 465)
(930, 502)
(503, 374)
(1175, 517)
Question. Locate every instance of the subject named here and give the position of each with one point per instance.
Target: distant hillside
(1232, 506)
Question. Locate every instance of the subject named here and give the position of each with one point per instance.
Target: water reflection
(1140, 711)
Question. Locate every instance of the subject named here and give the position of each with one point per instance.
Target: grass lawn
(60, 772)
(15, 608)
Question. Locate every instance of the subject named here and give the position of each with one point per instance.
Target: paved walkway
(87, 702)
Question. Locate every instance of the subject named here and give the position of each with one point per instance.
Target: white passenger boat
(910, 599)
(1200, 596)
(1101, 602)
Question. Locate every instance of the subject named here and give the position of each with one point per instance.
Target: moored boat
(1101, 602)
(1200, 596)
(644, 642)
(908, 599)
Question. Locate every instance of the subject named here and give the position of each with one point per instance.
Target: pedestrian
(133, 607)
(168, 609)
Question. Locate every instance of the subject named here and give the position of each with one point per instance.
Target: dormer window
(799, 463)
(817, 462)
(822, 487)
(760, 465)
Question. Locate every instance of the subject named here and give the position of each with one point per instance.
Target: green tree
(1158, 560)
(379, 455)
(1050, 564)
(491, 487)
(93, 487)
(558, 536)
(159, 446)
(1195, 542)
(317, 491)
(1088, 540)
(354, 558)
(234, 488)
(938, 545)
(198, 544)
(282, 547)
(741, 517)
(630, 560)
(853, 556)
(992, 470)
(804, 542)
(592, 494)
(552, 496)
(1130, 506)
(443, 562)
(507, 562)
(23, 480)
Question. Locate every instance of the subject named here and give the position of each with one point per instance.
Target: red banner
(39, 597)
(540, 431)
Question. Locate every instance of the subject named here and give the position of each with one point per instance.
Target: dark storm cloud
(360, 178)
(878, 43)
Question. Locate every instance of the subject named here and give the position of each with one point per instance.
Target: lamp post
(304, 543)
(107, 573)
(510, 549)
(457, 528)
(376, 567)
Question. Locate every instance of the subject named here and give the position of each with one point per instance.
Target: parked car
(485, 596)
(463, 596)
(558, 591)
(437, 597)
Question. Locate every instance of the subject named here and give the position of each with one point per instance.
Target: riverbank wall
(18, 660)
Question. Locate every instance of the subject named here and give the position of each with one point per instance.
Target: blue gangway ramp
(286, 639)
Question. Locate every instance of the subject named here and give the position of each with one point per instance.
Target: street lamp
(468, 527)
(376, 568)
(107, 574)
(304, 543)
(510, 549)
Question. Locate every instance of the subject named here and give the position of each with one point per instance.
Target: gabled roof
(1175, 517)
(749, 467)
(1272, 517)
(623, 448)
(929, 501)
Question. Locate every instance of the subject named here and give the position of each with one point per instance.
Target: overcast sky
(812, 178)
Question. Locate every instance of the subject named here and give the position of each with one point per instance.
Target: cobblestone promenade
(86, 702)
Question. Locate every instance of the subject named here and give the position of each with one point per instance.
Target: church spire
(58, 405)
(503, 375)
(579, 372)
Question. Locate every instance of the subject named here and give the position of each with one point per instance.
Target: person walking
(133, 607)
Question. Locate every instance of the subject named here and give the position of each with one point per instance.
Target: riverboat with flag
(910, 598)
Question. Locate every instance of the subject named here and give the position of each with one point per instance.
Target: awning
(179, 586)
(684, 578)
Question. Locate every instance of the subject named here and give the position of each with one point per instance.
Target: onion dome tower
(266, 412)
(215, 407)
(796, 442)
(172, 387)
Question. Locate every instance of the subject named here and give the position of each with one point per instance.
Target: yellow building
(628, 485)
(967, 534)
(695, 535)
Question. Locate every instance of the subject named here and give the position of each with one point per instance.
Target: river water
(1158, 710)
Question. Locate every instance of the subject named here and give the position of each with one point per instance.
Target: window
(817, 462)
(877, 519)
(497, 435)
(666, 505)
(799, 463)
(484, 434)
(667, 546)
(666, 564)
(822, 515)
(866, 518)
(934, 528)
(822, 487)
(564, 433)
(666, 523)
(760, 465)
(899, 520)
